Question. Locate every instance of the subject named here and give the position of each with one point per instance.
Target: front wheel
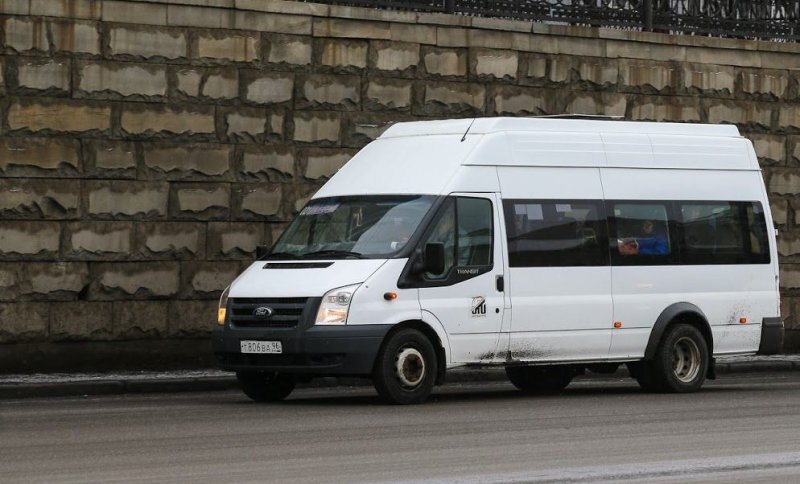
(680, 364)
(265, 386)
(405, 370)
(540, 380)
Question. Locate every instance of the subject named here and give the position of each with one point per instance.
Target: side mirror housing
(434, 258)
(262, 251)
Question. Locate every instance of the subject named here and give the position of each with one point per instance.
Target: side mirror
(434, 258)
(262, 251)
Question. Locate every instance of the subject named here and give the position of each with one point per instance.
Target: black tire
(405, 369)
(643, 372)
(540, 380)
(265, 386)
(680, 364)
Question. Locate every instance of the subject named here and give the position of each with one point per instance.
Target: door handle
(500, 283)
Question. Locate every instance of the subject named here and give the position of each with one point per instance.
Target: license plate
(261, 347)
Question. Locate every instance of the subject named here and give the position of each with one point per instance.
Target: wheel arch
(440, 346)
(681, 312)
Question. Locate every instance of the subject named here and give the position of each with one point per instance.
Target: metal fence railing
(751, 19)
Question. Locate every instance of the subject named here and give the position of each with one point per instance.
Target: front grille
(288, 311)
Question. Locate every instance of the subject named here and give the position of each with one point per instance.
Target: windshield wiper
(334, 253)
(282, 255)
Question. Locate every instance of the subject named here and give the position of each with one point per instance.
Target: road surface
(740, 427)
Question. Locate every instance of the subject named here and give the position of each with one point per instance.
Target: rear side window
(640, 233)
(723, 233)
(556, 233)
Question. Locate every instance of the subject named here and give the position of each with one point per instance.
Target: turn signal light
(390, 296)
(617, 324)
(742, 320)
(221, 316)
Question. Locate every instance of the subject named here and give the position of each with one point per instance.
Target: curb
(223, 383)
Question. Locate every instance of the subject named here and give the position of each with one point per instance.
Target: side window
(474, 231)
(757, 233)
(723, 233)
(556, 233)
(464, 227)
(640, 233)
(443, 232)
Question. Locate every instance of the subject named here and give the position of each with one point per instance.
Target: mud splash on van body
(528, 352)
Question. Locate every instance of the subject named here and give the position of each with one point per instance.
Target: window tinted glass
(551, 233)
(443, 232)
(474, 232)
(757, 233)
(464, 226)
(723, 233)
(373, 226)
(640, 233)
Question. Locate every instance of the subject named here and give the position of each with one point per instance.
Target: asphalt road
(741, 427)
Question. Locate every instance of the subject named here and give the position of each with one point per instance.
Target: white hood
(259, 282)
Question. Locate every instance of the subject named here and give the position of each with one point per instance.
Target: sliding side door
(559, 273)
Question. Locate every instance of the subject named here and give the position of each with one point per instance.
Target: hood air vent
(297, 265)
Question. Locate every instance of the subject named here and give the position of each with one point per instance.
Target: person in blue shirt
(651, 243)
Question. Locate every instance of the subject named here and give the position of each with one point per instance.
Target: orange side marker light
(390, 296)
(742, 320)
(617, 324)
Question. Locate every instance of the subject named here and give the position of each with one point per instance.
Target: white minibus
(545, 246)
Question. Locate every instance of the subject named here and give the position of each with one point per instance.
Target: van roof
(534, 124)
(435, 157)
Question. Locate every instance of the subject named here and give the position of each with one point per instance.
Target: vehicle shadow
(365, 396)
(368, 398)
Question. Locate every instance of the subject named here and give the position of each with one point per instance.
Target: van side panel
(550, 183)
(369, 306)
(687, 152)
(558, 313)
(725, 293)
(475, 179)
(663, 184)
(628, 149)
(555, 149)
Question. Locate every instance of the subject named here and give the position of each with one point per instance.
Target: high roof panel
(494, 125)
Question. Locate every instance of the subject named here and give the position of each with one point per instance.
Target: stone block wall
(148, 147)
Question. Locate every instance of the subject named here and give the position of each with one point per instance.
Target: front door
(467, 297)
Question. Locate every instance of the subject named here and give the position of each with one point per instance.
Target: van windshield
(368, 227)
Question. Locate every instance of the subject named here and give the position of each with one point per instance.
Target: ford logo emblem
(263, 312)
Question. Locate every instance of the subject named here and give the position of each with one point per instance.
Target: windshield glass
(361, 227)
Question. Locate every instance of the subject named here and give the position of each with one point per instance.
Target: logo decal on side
(478, 307)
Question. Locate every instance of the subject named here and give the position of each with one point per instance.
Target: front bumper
(314, 351)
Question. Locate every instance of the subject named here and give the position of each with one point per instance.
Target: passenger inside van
(651, 242)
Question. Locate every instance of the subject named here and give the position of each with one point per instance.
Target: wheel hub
(685, 359)
(410, 367)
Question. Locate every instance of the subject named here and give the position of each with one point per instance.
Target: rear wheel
(680, 364)
(405, 370)
(265, 386)
(540, 380)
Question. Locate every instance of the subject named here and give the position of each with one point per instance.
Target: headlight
(335, 305)
(223, 306)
